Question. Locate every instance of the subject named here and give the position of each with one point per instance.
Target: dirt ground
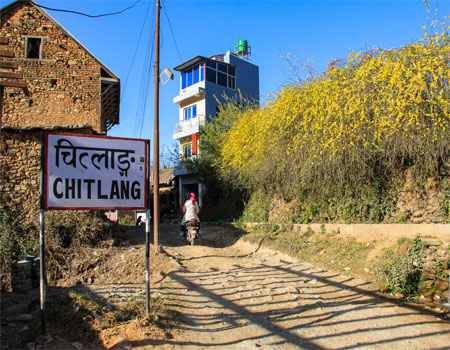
(230, 294)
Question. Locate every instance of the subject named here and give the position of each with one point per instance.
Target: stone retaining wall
(19, 174)
(374, 232)
(20, 159)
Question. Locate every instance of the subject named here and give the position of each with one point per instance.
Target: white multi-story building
(204, 83)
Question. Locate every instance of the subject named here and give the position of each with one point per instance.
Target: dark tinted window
(222, 79)
(231, 82)
(222, 67)
(187, 150)
(231, 70)
(211, 64)
(34, 48)
(210, 75)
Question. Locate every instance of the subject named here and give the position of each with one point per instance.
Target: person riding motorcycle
(190, 212)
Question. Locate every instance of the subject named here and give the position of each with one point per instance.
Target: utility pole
(156, 132)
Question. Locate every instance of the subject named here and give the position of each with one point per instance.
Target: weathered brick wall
(65, 87)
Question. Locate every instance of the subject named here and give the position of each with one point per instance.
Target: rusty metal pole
(156, 132)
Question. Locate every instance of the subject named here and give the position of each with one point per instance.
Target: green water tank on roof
(242, 47)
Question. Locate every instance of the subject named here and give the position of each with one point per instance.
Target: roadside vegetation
(98, 322)
(66, 236)
(337, 147)
(344, 146)
(13, 244)
(83, 249)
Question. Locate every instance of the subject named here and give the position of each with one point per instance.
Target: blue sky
(311, 31)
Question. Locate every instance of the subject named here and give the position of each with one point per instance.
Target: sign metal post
(42, 270)
(147, 264)
(147, 251)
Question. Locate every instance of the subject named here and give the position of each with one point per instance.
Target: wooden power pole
(156, 132)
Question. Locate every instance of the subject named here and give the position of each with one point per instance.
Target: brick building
(48, 81)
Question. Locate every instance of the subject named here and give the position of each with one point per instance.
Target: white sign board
(95, 172)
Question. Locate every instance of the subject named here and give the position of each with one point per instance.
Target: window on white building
(192, 76)
(190, 112)
(220, 73)
(187, 150)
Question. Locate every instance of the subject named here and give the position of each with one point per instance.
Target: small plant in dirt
(69, 234)
(434, 283)
(11, 243)
(14, 244)
(76, 228)
(400, 268)
(445, 203)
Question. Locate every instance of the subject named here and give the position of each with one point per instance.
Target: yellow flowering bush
(353, 126)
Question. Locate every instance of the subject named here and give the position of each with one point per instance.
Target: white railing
(196, 90)
(191, 125)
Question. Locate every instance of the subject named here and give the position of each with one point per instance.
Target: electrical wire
(144, 86)
(141, 95)
(147, 86)
(172, 32)
(75, 12)
(136, 49)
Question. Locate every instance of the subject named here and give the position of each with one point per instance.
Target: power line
(147, 86)
(75, 12)
(144, 85)
(172, 33)
(136, 49)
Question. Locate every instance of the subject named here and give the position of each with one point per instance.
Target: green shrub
(445, 203)
(12, 244)
(400, 271)
(369, 204)
(257, 208)
(80, 228)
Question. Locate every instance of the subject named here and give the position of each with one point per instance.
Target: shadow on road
(215, 236)
(291, 306)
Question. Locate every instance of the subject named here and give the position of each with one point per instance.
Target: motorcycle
(192, 230)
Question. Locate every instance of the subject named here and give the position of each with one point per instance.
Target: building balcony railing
(191, 92)
(188, 127)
